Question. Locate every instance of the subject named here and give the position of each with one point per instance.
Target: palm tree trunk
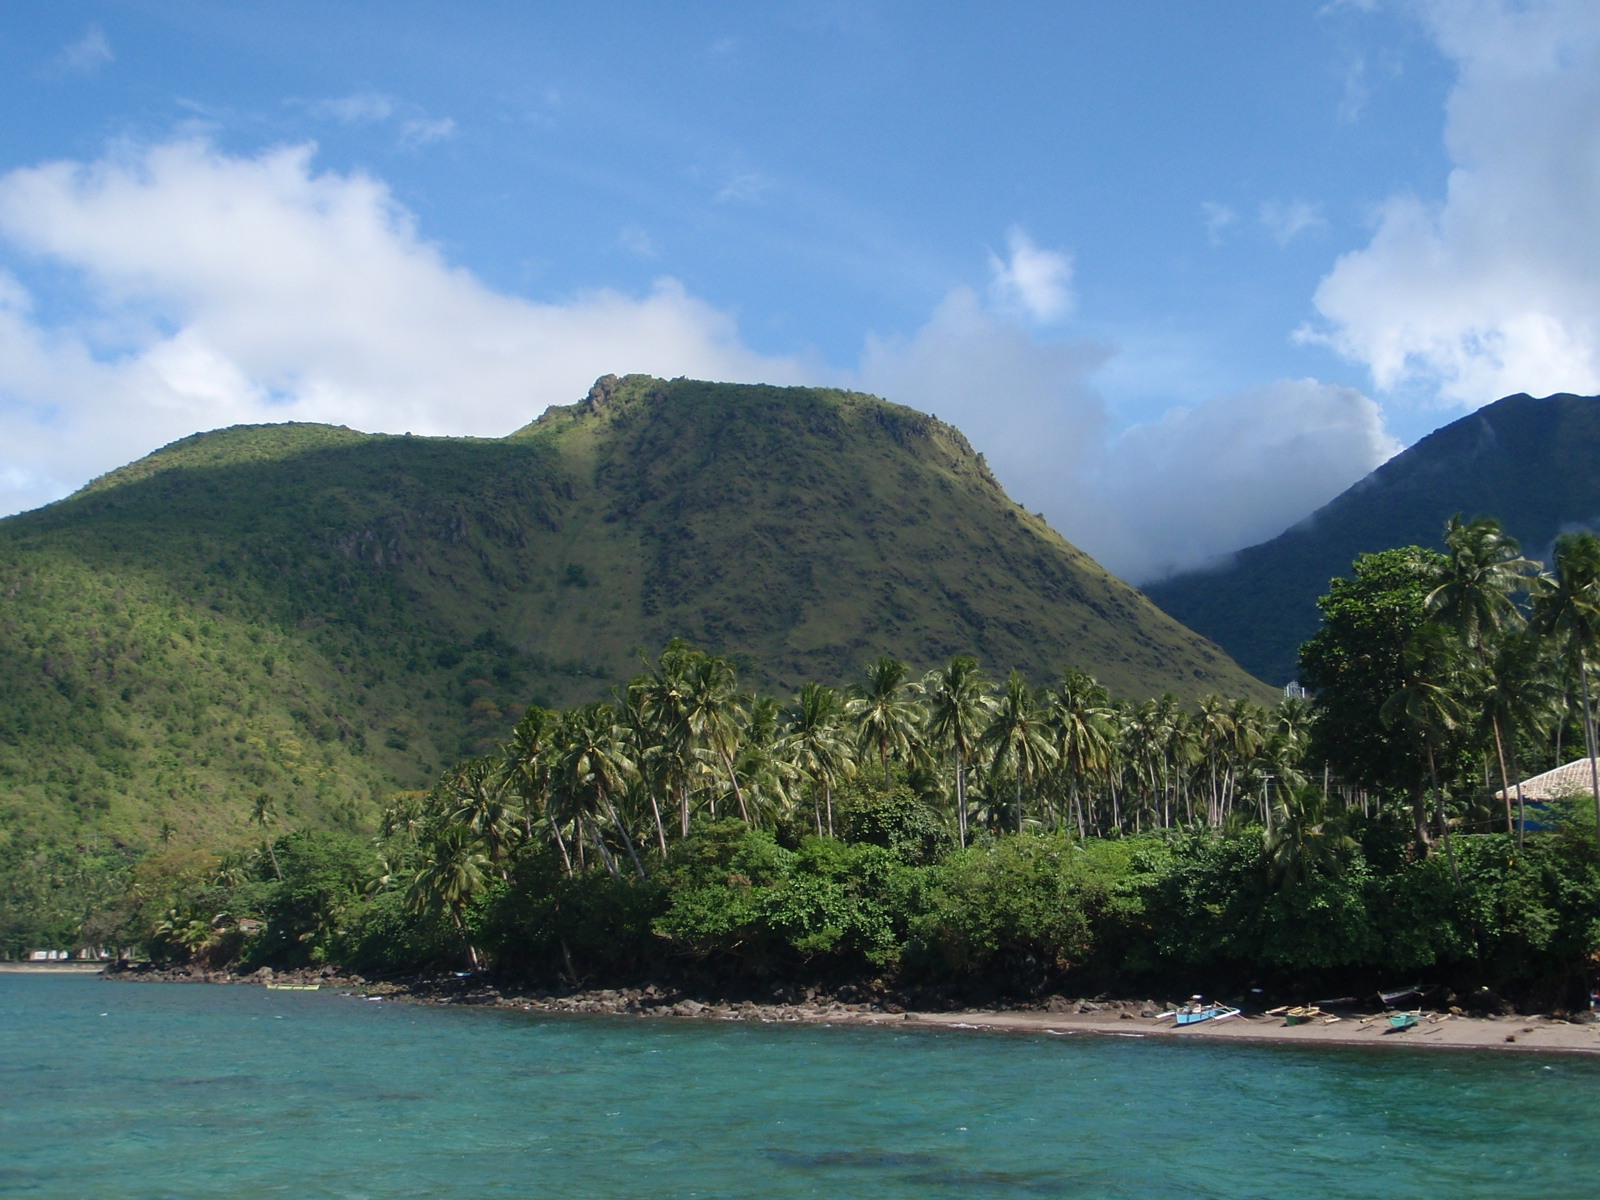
(661, 830)
(1444, 823)
(605, 854)
(626, 836)
(1505, 782)
(1588, 738)
(961, 803)
(738, 792)
(561, 844)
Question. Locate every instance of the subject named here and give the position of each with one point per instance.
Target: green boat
(1404, 1020)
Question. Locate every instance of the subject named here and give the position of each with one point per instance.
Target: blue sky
(1182, 271)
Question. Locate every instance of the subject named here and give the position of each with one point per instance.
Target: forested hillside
(320, 617)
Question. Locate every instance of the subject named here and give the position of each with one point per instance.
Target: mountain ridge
(325, 616)
(1531, 463)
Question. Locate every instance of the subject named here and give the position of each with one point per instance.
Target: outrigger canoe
(1194, 1012)
(293, 987)
(1404, 1020)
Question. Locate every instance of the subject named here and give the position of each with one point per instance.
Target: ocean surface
(148, 1090)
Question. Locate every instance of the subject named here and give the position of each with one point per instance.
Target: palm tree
(885, 712)
(476, 801)
(264, 813)
(662, 704)
(448, 879)
(1303, 839)
(1566, 610)
(958, 708)
(527, 764)
(1473, 590)
(1017, 739)
(1214, 727)
(1428, 703)
(815, 745)
(1080, 719)
(635, 719)
(594, 763)
(713, 710)
(1515, 694)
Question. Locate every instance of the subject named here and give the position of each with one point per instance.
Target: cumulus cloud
(1496, 288)
(1149, 500)
(1028, 405)
(232, 289)
(1032, 282)
(89, 53)
(1286, 220)
(228, 289)
(1240, 468)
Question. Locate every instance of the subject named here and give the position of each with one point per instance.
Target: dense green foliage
(325, 617)
(1530, 462)
(690, 833)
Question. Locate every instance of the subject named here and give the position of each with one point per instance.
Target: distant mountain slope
(1534, 464)
(322, 616)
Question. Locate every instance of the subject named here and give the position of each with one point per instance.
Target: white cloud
(1028, 405)
(246, 289)
(1218, 217)
(1235, 470)
(634, 240)
(1156, 498)
(744, 188)
(1496, 289)
(1356, 91)
(421, 131)
(256, 289)
(89, 53)
(362, 108)
(1033, 282)
(1286, 220)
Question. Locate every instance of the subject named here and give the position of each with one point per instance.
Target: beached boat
(1388, 999)
(1303, 1015)
(1196, 1011)
(1404, 1020)
(293, 987)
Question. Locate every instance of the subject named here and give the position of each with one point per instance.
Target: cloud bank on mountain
(225, 289)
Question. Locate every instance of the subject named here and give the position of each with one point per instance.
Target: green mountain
(323, 616)
(1534, 464)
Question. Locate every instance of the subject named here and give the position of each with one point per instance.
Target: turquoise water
(146, 1090)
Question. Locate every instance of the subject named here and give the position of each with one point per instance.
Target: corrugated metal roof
(1571, 779)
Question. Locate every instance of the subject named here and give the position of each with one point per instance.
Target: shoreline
(1059, 1018)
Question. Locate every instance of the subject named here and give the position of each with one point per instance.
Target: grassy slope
(1531, 463)
(324, 616)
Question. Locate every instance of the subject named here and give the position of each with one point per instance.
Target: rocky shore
(1449, 1027)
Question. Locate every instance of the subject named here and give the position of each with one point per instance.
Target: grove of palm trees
(991, 835)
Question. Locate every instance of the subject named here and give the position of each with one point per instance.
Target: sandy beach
(1438, 1030)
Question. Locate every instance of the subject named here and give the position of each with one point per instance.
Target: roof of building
(1570, 779)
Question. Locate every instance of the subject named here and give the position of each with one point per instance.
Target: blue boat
(1196, 1011)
